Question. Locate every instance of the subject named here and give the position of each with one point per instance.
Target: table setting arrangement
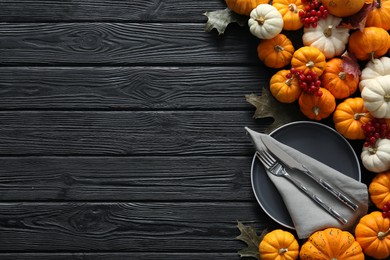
(331, 63)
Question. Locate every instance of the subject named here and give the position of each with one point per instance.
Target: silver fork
(271, 164)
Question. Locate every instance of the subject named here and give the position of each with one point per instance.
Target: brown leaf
(250, 237)
(220, 19)
(267, 106)
(358, 20)
(350, 64)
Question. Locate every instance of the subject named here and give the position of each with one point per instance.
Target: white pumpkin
(376, 96)
(265, 21)
(327, 37)
(374, 68)
(377, 158)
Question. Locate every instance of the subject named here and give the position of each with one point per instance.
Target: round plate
(314, 139)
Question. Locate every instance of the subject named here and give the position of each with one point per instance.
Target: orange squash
(279, 245)
(379, 189)
(309, 58)
(349, 116)
(317, 107)
(343, 8)
(276, 52)
(285, 90)
(337, 81)
(329, 244)
(371, 42)
(289, 9)
(380, 16)
(373, 234)
(244, 7)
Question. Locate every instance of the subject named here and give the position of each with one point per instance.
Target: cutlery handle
(314, 197)
(340, 196)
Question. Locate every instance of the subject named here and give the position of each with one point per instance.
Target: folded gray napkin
(306, 215)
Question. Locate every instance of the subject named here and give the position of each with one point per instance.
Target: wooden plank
(127, 133)
(130, 87)
(125, 179)
(103, 10)
(124, 43)
(138, 227)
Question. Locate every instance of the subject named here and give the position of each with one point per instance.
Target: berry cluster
(375, 129)
(312, 13)
(308, 82)
(386, 210)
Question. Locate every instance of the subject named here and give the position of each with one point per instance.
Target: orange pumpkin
(380, 16)
(289, 9)
(285, 90)
(331, 243)
(309, 58)
(373, 234)
(244, 7)
(343, 8)
(279, 244)
(337, 81)
(276, 52)
(317, 107)
(371, 42)
(379, 189)
(349, 117)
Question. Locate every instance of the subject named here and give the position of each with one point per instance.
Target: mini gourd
(376, 96)
(279, 245)
(283, 89)
(379, 189)
(317, 107)
(289, 9)
(380, 15)
(376, 158)
(343, 8)
(276, 52)
(265, 21)
(244, 7)
(373, 69)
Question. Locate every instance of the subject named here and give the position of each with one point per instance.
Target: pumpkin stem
(382, 235)
(283, 250)
(310, 64)
(293, 8)
(387, 97)
(328, 31)
(316, 110)
(357, 116)
(372, 150)
(278, 48)
(289, 81)
(342, 75)
(378, 4)
(260, 20)
(372, 54)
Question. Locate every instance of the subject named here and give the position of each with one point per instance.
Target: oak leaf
(220, 19)
(250, 237)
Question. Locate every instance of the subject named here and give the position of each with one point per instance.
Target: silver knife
(291, 163)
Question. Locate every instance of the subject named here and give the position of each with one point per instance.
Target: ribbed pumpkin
(289, 9)
(309, 58)
(343, 8)
(349, 117)
(285, 90)
(370, 43)
(331, 244)
(279, 245)
(373, 234)
(276, 52)
(244, 7)
(379, 189)
(337, 81)
(380, 16)
(317, 107)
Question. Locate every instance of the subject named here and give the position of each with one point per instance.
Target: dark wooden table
(122, 131)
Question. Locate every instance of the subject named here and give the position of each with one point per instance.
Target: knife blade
(293, 164)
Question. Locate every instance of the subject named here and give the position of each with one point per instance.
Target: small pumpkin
(376, 158)
(379, 189)
(331, 243)
(276, 52)
(373, 234)
(343, 8)
(265, 21)
(337, 81)
(376, 96)
(380, 15)
(373, 69)
(317, 107)
(289, 9)
(279, 245)
(349, 116)
(285, 90)
(327, 36)
(309, 58)
(244, 7)
(369, 43)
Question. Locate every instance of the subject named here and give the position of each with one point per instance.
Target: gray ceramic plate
(314, 139)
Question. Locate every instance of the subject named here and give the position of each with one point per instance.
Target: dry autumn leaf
(250, 237)
(220, 19)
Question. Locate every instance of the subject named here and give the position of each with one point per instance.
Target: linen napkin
(307, 216)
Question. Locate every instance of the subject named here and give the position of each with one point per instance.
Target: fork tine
(267, 163)
(269, 157)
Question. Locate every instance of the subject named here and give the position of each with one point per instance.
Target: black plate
(314, 139)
